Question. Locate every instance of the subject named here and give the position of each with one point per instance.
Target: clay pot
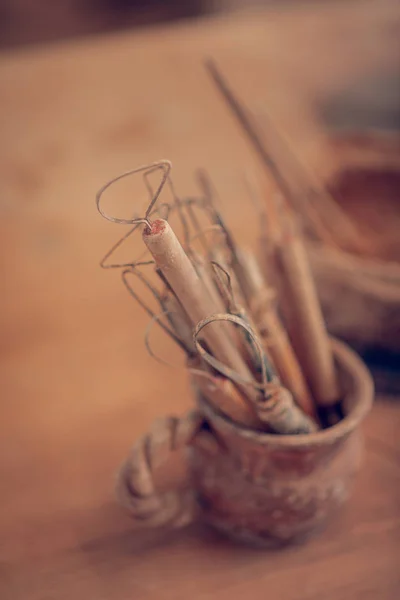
(267, 489)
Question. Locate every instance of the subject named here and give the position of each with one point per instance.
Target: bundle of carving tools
(218, 306)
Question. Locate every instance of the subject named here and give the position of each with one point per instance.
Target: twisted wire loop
(136, 488)
(164, 165)
(275, 406)
(282, 414)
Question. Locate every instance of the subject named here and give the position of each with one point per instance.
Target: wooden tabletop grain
(77, 385)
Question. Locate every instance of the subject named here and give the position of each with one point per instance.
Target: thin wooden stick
(245, 121)
(225, 289)
(249, 127)
(304, 319)
(271, 327)
(189, 289)
(345, 230)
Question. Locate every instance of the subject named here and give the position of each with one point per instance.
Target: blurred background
(34, 21)
(91, 88)
(358, 99)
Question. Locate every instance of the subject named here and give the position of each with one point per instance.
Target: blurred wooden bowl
(360, 295)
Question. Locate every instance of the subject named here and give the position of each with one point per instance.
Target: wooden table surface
(77, 385)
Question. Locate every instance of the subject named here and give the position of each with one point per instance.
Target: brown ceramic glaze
(268, 489)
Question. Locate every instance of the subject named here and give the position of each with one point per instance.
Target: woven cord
(136, 487)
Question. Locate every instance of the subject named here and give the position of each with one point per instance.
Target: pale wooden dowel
(271, 328)
(178, 270)
(304, 319)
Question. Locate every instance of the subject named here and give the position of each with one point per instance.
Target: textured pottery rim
(361, 390)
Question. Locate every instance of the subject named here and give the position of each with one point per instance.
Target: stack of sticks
(256, 348)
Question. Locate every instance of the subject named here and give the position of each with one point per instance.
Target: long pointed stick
(345, 230)
(246, 122)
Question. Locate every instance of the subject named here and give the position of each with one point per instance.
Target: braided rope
(136, 487)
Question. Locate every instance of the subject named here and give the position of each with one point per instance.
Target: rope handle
(136, 488)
